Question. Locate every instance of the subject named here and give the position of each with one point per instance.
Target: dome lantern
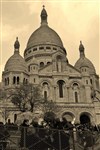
(44, 16)
(16, 45)
(81, 49)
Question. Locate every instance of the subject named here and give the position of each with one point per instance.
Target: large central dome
(44, 34)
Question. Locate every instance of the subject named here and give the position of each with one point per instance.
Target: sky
(73, 20)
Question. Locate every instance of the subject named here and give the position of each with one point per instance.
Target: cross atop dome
(43, 6)
(44, 16)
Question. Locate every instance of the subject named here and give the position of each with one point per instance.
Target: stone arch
(75, 82)
(75, 89)
(70, 117)
(45, 81)
(57, 54)
(48, 62)
(85, 117)
(45, 89)
(41, 64)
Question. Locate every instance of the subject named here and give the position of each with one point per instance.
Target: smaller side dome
(16, 61)
(83, 61)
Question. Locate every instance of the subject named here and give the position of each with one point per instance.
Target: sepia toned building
(74, 88)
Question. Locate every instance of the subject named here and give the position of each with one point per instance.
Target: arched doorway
(85, 118)
(69, 116)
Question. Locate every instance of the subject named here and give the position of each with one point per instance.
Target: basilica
(74, 88)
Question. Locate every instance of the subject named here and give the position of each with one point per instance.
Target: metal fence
(30, 138)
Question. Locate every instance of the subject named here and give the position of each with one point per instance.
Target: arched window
(24, 81)
(45, 95)
(34, 80)
(76, 97)
(15, 117)
(86, 81)
(91, 81)
(75, 85)
(17, 80)
(14, 80)
(46, 90)
(5, 81)
(41, 48)
(76, 91)
(48, 62)
(41, 64)
(60, 84)
(45, 84)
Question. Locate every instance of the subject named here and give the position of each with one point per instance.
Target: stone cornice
(74, 105)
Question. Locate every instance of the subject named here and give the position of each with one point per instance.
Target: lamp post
(74, 134)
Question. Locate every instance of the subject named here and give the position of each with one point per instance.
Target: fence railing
(30, 138)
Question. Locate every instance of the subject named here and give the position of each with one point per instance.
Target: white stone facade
(45, 63)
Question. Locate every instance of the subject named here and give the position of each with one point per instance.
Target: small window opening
(76, 97)
(48, 47)
(40, 48)
(34, 49)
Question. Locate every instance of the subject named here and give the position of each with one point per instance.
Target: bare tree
(26, 97)
(5, 114)
(50, 109)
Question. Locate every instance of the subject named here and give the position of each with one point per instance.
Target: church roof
(16, 61)
(44, 34)
(85, 62)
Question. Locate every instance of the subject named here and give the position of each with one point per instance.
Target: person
(4, 135)
(88, 139)
(24, 126)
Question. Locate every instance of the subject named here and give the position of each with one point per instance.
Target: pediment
(72, 70)
(46, 69)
